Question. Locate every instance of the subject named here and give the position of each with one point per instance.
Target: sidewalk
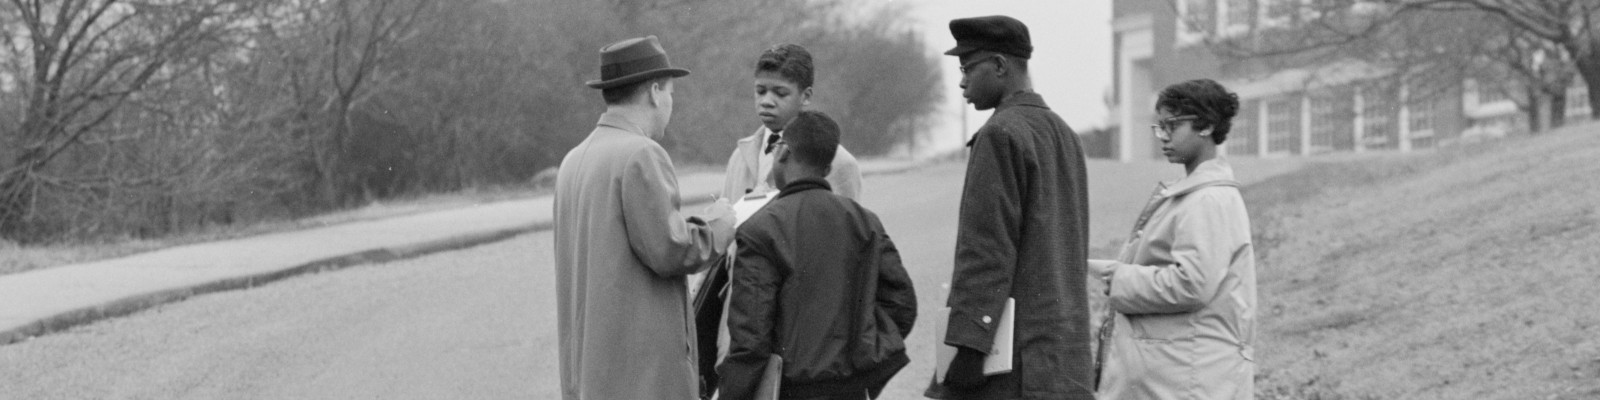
(42, 301)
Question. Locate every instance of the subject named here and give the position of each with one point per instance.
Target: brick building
(1291, 110)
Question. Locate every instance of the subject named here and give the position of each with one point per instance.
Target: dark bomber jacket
(817, 281)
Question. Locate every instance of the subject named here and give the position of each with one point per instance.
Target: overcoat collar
(615, 119)
(1022, 98)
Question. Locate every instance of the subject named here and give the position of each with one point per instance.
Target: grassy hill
(1470, 272)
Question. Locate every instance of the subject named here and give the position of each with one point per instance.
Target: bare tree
(360, 36)
(1567, 25)
(86, 60)
(1539, 45)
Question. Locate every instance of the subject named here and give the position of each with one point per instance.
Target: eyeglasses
(965, 68)
(1164, 127)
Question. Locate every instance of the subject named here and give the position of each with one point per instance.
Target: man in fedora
(1022, 232)
(622, 248)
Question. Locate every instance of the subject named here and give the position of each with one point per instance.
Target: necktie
(771, 140)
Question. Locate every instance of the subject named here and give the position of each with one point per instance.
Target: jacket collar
(802, 185)
(615, 119)
(751, 147)
(759, 137)
(1215, 171)
(1023, 98)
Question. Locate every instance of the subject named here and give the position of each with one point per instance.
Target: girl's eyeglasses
(1163, 128)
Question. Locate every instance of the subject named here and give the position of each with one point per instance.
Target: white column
(1360, 127)
(1264, 130)
(1404, 122)
(1135, 40)
(1305, 124)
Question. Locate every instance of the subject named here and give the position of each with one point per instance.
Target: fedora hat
(633, 60)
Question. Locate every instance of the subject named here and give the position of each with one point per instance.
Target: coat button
(986, 319)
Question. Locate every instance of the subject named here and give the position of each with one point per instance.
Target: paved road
(476, 323)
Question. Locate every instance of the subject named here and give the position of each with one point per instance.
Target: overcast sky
(1071, 63)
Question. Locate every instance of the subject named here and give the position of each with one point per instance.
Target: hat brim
(636, 77)
(959, 50)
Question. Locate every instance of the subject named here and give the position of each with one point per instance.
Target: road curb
(135, 303)
(132, 304)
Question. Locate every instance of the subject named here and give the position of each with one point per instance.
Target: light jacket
(744, 167)
(622, 250)
(1184, 296)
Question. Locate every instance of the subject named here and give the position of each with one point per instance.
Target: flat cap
(997, 33)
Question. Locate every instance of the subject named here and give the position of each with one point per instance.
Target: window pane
(1241, 138)
(1332, 120)
(1283, 124)
(1378, 115)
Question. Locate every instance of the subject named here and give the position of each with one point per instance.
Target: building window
(1235, 17)
(1489, 92)
(1420, 118)
(1378, 116)
(1194, 20)
(1278, 13)
(1241, 137)
(1283, 124)
(1578, 99)
(1332, 120)
(1312, 10)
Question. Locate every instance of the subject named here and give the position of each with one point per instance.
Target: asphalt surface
(475, 323)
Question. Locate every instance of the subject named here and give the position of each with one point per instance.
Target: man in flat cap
(1022, 232)
(622, 247)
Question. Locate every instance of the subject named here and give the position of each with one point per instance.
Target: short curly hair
(1212, 105)
(789, 61)
(813, 138)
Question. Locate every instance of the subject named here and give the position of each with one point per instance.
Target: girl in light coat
(1182, 293)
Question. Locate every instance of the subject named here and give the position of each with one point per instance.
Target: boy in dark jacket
(816, 281)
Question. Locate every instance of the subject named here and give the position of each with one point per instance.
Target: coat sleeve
(752, 312)
(1203, 246)
(895, 292)
(664, 239)
(987, 235)
(845, 178)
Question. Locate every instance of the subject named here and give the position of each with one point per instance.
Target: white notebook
(999, 359)
(749, 204)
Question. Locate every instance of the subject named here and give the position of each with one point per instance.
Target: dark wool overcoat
(1023, 233)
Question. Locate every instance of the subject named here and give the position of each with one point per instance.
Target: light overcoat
(1184, 296)
(622, 251)
(744, 169)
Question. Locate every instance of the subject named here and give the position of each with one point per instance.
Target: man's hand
(1102, 270)
(720, 217)
(719, 209)
(966, 370)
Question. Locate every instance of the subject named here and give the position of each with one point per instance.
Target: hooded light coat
(743, 171)
(622, 251)
(1184, 296)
